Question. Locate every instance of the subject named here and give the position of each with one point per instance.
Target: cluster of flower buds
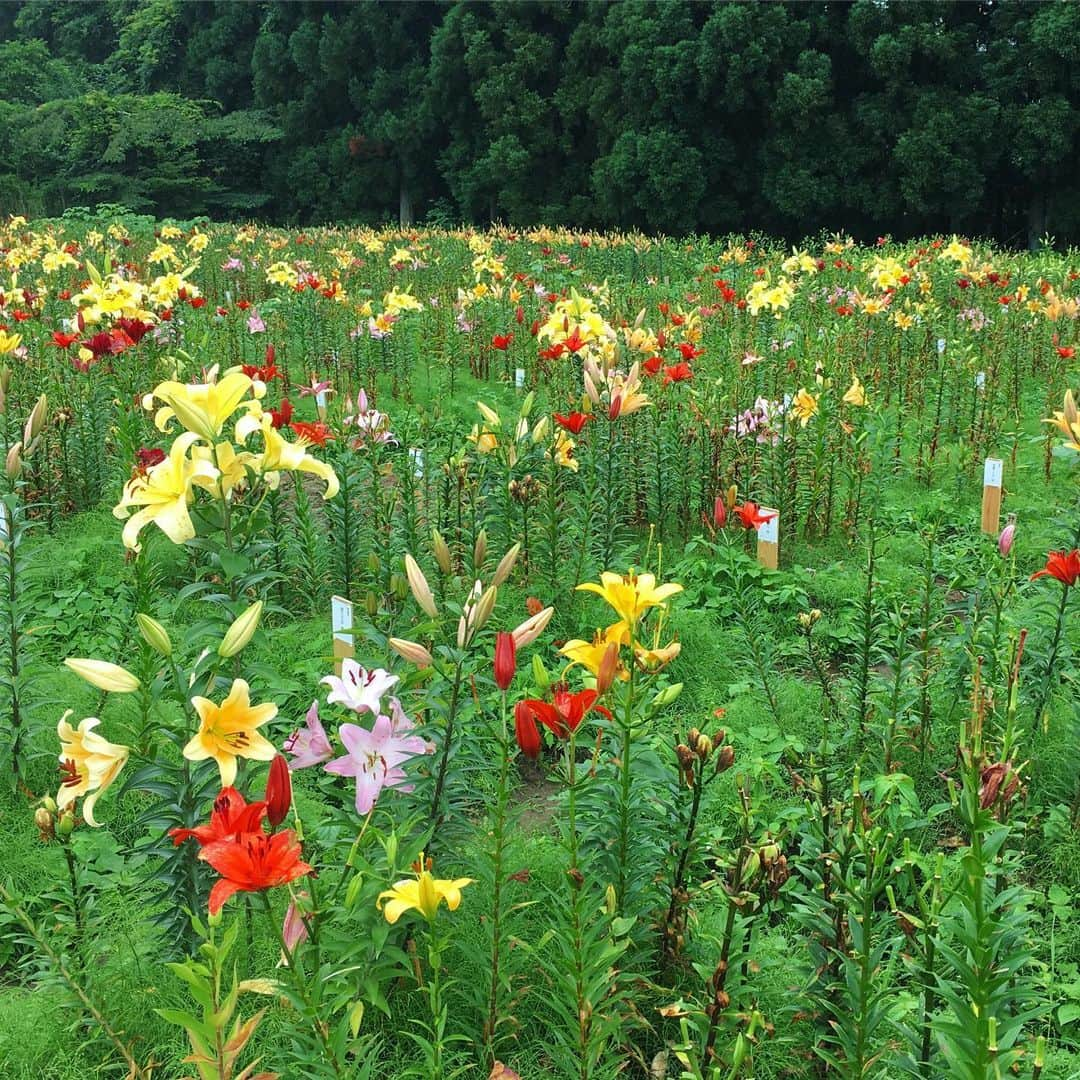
(526, 490)
(771, 863)
(807, 619)
(998, 784)
(695, 754)
(13, 463)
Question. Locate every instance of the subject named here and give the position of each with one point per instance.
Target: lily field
(535, 654)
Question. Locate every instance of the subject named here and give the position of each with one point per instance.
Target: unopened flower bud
(373, 563)
(35, 421)
(704, 747)
(65, 825)
(371, 603)
(241, 632)
(412, 651)
(611, 900)
(667, 696)
(608, 668)
(1008, 534)
(505, 659)
(399, 586)
(45, 822)
(540, 674)
(480, 549)
(13, 461)
(725, 758)
(421, 591)
(278, 791)
(441, 551)
(528, 631)
(506, 564)
(484, 607)
(154, 634)
(103, 675)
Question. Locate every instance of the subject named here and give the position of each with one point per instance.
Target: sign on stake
(341, 620)
(991, 500)
(768, 539)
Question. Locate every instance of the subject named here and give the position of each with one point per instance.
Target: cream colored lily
(164, 493)
(279, 455)
(89, 764)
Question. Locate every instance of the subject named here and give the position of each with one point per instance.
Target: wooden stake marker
(991, 501)
(341, 620)
(768, 540)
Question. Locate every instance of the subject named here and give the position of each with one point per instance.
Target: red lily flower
(243, 305)
(689, 352)
(317, 433)
(502, 342)
(565, 712)
(751, 516)
(574, 342)
(1066, 352)
(148, 457)
(62, 340)
(281, 416)
(231, 817)
(574, 422)
(253, 862)
(197, 301)
(1065, 566)
(677, 373)
(652, 365)
(21, 316)
(267, 373)
(554, 352)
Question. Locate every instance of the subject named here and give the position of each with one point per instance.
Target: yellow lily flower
(657, 657)
(631, 595)
(231, 468)
(804, 406)
(855, 395)
(164, 493)
(424, 894)
(590, 654)
(227, 731)
(9, 342)
(203, 408)
(1068, 422)
(280, 455)
(563, 451)
(89, 764)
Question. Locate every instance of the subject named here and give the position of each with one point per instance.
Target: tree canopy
(863, 115)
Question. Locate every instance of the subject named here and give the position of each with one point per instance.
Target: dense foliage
(677, 117)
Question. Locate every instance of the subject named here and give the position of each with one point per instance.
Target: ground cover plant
(396, 680)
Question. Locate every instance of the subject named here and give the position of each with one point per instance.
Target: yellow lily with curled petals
(228, 731)
(590, 654)
(9, 342)
(856, 394)
(280, 455)
(203, 408)
(423, 895)
(89, 764)
(231, 468)
(631, 595)
(164, 492)
(804, 406)
(1068, 422)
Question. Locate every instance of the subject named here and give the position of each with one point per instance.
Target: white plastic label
(768, 531)
(992, 473)
(940, 344)
(341, 619)
(519, 377)
(980, 380)
(320, 400)
(416, 456)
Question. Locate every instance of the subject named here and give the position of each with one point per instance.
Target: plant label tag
(768, 540)
(940, 345)
(320, 404)
(341, 620)
(992, 472)
(416, 456)
(5, 527)
(768, 532)
(980, 380)
(519, 378)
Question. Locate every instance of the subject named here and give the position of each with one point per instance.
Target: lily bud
(506, 564)
(590, 390)
(241, 632)
(505, 659)
(533, 627)
(525, 730)
(373, 563)
(1008, 534)
(44, 821)
(103, 675)
(65, 826)
(540, 429)
(412, 651)
(527, 404)
(441, 551)
(540, 674)
(5, 382)
(484, 607)
(13, 461)
(154, 634)
(35, 421)
(421, 591)
(489, 414)
(725, 758)
(278, 791)
(609, 667)
(667, 696)
(399, 586)
(480, 549)
(371, 603)
(719, 516)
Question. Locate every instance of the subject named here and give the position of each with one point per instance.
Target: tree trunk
(405, 211)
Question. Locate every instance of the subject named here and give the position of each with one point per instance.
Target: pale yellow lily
(203, 408)
(228, 731)
(89, 763)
